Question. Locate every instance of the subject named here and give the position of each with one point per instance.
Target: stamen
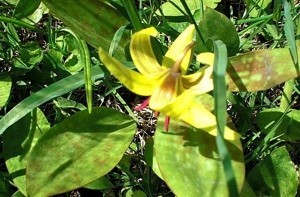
(176, 66)
(167, 123)
(144, 104)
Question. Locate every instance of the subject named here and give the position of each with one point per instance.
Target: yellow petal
(199, 82)
(142, 53)
(175, 108)
(184, 39)
(165, 93)
(132, 80)
(198, 116)
(206, 58)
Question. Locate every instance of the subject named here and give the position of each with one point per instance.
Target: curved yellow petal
(199, 82)
(165, 93)
(184, 39)
(132, 80)
(142, 53)
(206, 58)
(175, 108)
(198, 116)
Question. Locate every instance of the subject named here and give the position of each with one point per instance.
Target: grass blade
(219, 92)
(133, 15)
(56, 89)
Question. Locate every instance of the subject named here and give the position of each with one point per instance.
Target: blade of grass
(219, 71)
(86, 61)
(133, 15)
(56, 89)
(290, 31)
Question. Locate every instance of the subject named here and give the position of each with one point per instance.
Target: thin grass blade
(56, 89)
(220, 64)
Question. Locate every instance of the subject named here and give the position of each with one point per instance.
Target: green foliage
(195, 167)
(5, 88)
(275, 175)
(58, 136)
(75, 146)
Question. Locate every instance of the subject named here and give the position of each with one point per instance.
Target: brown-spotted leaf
(261, 69)
(77, 151)
(189, 162)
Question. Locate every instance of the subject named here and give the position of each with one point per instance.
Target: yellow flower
(172, 92)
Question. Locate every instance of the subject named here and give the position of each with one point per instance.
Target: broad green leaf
(275, 175)
(94, 21)
(25, 8)
(5, 87)
(98, 184)
(54, 90)
(286, 124)
(211, 29)
(169, 10)
(189, 162)
(260, 69)
(16, 149)
(79, 152)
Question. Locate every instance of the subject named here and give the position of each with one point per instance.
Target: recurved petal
(206, 58)
(199, 82)
(142, 53)
(178, 46)
(198, 116)
(132, 80)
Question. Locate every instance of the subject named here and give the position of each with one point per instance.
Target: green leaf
(16, 149)
(170, 10)
(189, 162)
(5, 87)
(25, 8)
(285, 123)
(98, 184)
(94, 21)
(79, 152)
(211, 29)
(275, 175)
(29, 55)
(256, 7)
(260, 69)
(54, 90)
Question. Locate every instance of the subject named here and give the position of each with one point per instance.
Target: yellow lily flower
(172, 92)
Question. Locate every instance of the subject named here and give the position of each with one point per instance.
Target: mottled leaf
(260, 69)
(189, 162)
(16, 149)
(78, 150)
(275, 175)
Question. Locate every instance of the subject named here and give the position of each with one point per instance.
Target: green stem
(20, 23)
